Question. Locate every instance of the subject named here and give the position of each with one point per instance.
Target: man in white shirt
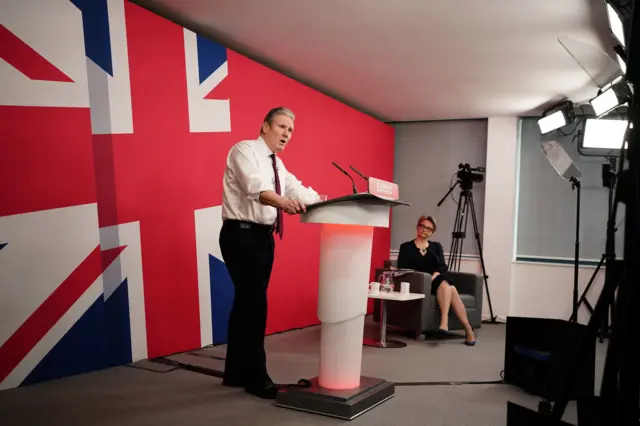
(257, 189)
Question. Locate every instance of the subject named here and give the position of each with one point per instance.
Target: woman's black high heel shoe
(472, 342)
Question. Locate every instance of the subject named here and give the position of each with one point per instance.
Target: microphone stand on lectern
(355, 190)
(361, 175)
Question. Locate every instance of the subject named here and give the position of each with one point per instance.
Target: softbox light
(615, 24)
(604, 135)
(621, 56)
(557, 117)
(617, 94)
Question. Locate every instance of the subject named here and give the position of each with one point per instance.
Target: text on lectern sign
(383, 189)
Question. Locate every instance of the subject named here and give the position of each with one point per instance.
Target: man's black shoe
(266, 391)
(240, 383)
(233, 383)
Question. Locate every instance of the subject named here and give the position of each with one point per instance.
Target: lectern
(346, 239)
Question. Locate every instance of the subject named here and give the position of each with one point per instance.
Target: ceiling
(415, 60)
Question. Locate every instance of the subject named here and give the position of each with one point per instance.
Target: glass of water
(386, 282)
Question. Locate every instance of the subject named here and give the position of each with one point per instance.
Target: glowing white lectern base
(346, 240)
(345, 261)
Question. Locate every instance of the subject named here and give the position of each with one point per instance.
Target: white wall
(546, 291)
(500, 212)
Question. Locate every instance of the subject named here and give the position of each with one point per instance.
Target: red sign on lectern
(383, 189)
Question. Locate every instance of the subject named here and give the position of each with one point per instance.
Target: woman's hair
(430, 219)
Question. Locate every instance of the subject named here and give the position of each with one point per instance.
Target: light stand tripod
(609, 181)
(575, 185)
(465, 180)
(618, 403)
(565, 167)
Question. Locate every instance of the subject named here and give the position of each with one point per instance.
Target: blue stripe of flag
(211, 56)
(97, 40)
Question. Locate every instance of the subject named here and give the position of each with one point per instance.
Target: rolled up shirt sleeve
(295, 190)
(246, 170)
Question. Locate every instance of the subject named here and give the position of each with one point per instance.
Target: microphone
(361, 175)
(355, 190)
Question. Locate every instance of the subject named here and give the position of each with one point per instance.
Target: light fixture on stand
(617, 93)
(620, 16)
(621, 56)
(557, 117)
(603, 137)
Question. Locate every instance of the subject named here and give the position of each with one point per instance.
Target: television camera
(466, 177)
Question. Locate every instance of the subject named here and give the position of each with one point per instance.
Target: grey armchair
(423, 315)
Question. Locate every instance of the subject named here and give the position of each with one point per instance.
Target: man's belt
(244, 224)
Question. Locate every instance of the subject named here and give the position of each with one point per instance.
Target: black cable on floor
(190, 367)
(220, 374)
(149, 369)
(451, 383)
(219, 358)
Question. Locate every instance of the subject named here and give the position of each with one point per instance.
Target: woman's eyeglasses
(425, 228)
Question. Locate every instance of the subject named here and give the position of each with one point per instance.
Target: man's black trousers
(248, 251)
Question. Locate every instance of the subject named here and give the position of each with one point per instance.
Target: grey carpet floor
(136, 395)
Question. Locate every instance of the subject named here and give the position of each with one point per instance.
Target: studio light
(617, 94)
(552, 122)
(557, 117)
(615, 24)
(604, 134)
(621, 56)
(622, 64)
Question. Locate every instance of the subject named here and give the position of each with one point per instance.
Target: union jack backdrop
(115, 125)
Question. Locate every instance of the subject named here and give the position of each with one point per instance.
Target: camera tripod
(458, 235)
(609, 256)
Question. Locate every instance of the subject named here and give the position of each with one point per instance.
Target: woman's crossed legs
(448, 297)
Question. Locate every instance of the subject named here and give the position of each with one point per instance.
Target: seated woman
(427, 256)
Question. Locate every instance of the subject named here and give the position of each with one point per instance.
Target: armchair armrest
(466, 282)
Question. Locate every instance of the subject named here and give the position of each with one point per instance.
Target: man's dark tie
(279, 223)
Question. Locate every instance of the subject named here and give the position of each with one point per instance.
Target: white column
(500, 212)
(345, 261)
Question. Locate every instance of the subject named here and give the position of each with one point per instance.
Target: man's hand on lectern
(292, 206)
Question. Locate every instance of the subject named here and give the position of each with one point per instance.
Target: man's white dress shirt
(248, 172)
